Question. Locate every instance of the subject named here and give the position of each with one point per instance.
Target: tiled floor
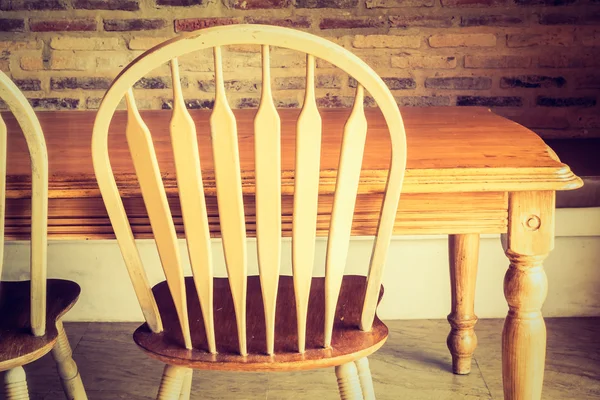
(414, 364)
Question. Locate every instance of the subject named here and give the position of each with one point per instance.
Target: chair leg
(171, 384)
(365, 378)
(15, 384)
(67, 369)
(186, 388)
(463, 252)
(348, 384)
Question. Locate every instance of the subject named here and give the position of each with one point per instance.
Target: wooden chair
(31, 311)
(249, 323)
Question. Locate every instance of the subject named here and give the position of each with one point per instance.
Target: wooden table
(469, 172)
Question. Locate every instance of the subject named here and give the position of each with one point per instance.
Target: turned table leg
(530, 239)
(463, 251)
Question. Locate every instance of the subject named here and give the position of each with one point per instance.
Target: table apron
(418, 213)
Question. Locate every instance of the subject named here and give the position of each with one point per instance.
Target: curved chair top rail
(34, 136)
(226, 159)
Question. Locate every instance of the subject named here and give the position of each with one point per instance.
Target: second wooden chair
(31, 311)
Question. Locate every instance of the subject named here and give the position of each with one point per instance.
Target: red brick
(351, 23)
(180, 3)
(137, 24)
(422, 101)
(11, 25)
(559, 37)
(326, 3)
(253, 102)
(432, 21)
(87, 24)
(532, 81)
(291, 22)
(31, 63)
(256, 4)
(591, 38)
(459, 83)
(569, 60)
(335, 101)
(193, 24)
(18, 5)
(490, 20)
(475, 3)
(399, 3)
(423, 62)
(53, 103)
(494, 101)
(588, 120)
(122, 5)
(386, 41)
(463, 40)
(585, 101)
(393, 83)
(588, 82)
(511, 61)
(544, 2)
(28, 85)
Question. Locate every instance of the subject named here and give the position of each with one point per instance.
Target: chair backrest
(34, 136)
(267, 187)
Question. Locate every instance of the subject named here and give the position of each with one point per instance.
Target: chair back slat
(306, 196)
(346, 189)
(38, 154)
(3, 143)
(193, 203)
(267, 150)
(223, 130)
(385, 228)
(151, 185)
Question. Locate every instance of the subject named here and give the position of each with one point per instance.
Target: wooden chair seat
(348, 342)
(17, 345)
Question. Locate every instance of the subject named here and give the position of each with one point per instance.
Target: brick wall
(536, 61)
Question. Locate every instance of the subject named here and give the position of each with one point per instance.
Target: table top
(450, 149)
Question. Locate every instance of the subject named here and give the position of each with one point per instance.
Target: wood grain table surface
(462, 163)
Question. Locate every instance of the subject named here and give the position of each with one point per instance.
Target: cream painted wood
(36, 144)
(155, 199)
(67, 369)
(530, 239)
(267, 150)
(15, 384)
(3, 143)
(223, 130)
(193, 203)
(171, 383)
(306, 196)
(226, 159)
(186, 387)
(365, 378)
(463, 251)
(346, 188)
(348, 383)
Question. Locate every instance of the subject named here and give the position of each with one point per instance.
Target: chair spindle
(346, 188)
(146, 168)
(226, 157)
(267, 147)
(193, 203)
(306, 198)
